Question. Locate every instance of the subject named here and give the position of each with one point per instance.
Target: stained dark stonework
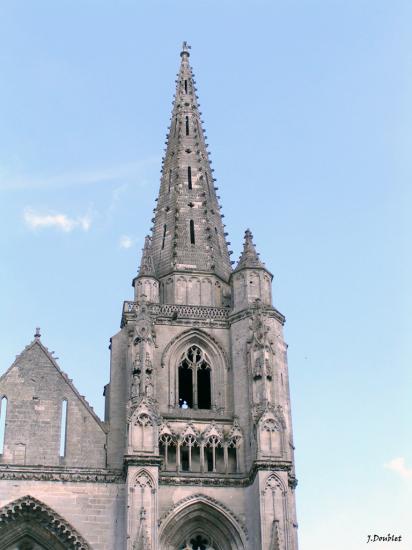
(196, 449)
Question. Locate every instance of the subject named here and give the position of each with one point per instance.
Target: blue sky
(307, 107)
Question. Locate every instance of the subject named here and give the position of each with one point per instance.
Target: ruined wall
(35, 389)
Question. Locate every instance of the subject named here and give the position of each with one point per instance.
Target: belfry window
(192, 231)
(185, 385)
(203, 387)
(189, 177)
(187, 125)
(164, 236)
(185, 86)
(194, 380)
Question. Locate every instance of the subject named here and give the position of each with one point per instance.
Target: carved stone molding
(264, 411)
(208, 500)
(225, 480)
(178, 313)
(188, 335)
(269, 311)
(75, 475)
(292, 481)
(29, 509)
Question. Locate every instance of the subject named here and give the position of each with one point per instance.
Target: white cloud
(398, 465)
(34, 220)
(125, 241)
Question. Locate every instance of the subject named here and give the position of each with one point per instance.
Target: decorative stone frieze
(73, 475)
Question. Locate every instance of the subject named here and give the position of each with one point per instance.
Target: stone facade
(196, 450)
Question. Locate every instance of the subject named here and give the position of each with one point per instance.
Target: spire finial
(185, 49)
(37, 334)
(249, 256)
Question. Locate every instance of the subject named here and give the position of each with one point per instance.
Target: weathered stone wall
(35, 389)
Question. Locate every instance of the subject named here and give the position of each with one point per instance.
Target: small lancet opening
(185, 86)
(187, 125)
(192, 231)
(232, 459)
(63, 429)
(207, 183)
(162, 451)
(189, 177)
(217, 240)
(209, 459)
(184, 458)
(3, 414)
(185, 386)
(174, 133)
(203, 388)
(170, 179)
(164, 236)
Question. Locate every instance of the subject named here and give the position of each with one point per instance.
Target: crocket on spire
(188, 231)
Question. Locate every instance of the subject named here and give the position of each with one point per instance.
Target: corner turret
(146, 283)
(250, 280)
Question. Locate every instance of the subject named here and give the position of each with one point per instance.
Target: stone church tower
(196, 449)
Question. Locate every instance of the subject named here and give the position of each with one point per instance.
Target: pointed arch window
(195, 390)
(185, 86)
(189, 177)
(187, 125)
(192, 231)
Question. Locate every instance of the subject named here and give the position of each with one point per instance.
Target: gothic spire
(249, 257)
(146, 264)
(188, 231)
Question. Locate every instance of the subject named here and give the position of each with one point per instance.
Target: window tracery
(193, 451)
(194, 379)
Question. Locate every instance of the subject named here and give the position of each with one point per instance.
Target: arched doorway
(201, 523)
(28, 524)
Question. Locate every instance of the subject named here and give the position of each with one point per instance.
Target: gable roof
(37, 343)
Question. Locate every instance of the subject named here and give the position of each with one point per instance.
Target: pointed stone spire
(146, 264)
(249, 257)
(188, 231)
(146, 286)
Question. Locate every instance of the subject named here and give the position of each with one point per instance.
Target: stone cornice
(180, 314)
(224, 480)
(245, 313)
(134, 460)
(56, 473)
(102, 475)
